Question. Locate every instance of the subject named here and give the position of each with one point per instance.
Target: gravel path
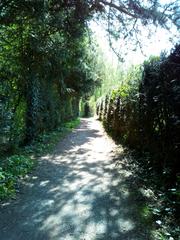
(77, 193)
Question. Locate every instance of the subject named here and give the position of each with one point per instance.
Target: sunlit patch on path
(77, 193)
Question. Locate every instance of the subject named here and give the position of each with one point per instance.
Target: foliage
(17, 166)
(132, 22)
(118, 108)
(45, 62)
(159, 111)
(144, 113)
(48, 62)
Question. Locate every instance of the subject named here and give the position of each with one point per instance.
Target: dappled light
(64, 67)
(78, 192)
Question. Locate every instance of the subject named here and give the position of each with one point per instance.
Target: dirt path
(77, 193)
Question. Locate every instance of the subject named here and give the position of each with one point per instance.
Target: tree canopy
(47, 52)
(50, 65)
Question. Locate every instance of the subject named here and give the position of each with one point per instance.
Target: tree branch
(120, 8)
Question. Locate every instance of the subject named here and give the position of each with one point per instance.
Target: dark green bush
(15, 167)
(159, 111)
(145, 114)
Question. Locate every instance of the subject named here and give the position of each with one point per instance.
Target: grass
(18, 165)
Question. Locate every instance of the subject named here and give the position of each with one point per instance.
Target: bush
(15, 167)
(145, 114)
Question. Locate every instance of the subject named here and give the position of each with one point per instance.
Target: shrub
(145, 114)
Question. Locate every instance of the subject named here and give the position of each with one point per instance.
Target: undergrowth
(162, 211)
(18, 165)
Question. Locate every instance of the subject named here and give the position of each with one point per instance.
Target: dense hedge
(145, 113)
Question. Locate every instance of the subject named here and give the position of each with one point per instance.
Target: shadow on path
(77, 193)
